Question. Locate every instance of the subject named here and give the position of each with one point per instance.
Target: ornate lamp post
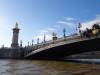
(54, 37)
(28, 43)
(64, 33)
(79, 28)
(44, 39)
(32, 42)
(38, 41)
(21, 43)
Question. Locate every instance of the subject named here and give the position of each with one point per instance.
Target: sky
(37, 18)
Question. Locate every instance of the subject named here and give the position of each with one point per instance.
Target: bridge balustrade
(68, 38)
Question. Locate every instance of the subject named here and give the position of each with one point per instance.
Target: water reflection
(33, 67)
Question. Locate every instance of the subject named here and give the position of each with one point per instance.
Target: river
(43, 67)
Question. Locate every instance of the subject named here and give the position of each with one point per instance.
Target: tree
(96, 26)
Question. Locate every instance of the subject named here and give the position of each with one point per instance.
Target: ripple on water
(29, 67)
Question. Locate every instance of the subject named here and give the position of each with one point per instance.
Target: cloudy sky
(42, 17)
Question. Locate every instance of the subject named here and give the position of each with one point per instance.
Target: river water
(43, 67)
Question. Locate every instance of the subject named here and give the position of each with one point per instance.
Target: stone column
(15, 37)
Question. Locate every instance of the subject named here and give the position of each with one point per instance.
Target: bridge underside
(68, 49)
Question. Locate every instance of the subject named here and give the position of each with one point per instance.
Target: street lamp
(21, 43)
(38, 41)
(28, 43)
(54, 36)
(32, 42)
(44, 39)
(79, 28)
(64, 33)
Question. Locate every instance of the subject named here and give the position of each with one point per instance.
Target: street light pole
(64, 33)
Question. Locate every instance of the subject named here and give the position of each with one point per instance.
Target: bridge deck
(66, 45)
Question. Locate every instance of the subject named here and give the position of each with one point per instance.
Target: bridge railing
(50, 43)
(47, 43)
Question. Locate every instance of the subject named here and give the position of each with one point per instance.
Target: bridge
(63, 47)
